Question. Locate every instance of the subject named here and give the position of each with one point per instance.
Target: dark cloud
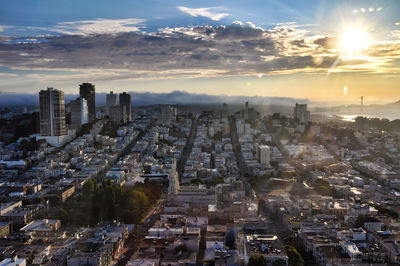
(238, 31)
(300, 43)
(326, 42)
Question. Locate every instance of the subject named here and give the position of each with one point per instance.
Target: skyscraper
(115, 114)
(52, 112)
(87, 91)
(301, 113)
(125, 102)
(79, 113)
(246, 110)
(111, 100)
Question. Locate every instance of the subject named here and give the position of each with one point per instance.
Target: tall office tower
(263, 154)
(79, 113)
(111, 100)
(125, 102)
(301, 113)
(87, 91)
(52, 113)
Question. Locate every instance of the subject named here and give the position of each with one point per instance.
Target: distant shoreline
(350, 117)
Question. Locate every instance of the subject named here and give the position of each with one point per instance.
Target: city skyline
(248, 133)
(323, 51)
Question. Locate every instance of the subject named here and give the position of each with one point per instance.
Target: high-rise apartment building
(52, 113)
(246, 110)
(87, 91)
(111, 100)
(115, 114)
(125, 102)
(301, 113)
(79, 113)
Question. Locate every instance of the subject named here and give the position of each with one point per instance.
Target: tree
(40, 200)
(54, 199)
(63, 216)
(290, 238)
(257, 260)
(324, 188)
(111, 202)
(89, 187)
(294, 256)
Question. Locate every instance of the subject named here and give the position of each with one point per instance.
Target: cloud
(98, 26)
(7, 75)
(1, 28)
(327, 42)
(187, 52)
(369, 9)
(209, 12)
(396, 34)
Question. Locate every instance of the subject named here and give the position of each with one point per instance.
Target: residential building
(125, 102)
(115, 113)
(301, 113)
(5, 229)
(79, 113)
(14, 261)
(87, 91)
(52, 112)
(111, 100)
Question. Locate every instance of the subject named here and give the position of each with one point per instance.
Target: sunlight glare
(353, 42)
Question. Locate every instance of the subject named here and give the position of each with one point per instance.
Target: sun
(353, 43)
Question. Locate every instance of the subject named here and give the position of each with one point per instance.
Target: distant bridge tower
(362, 104)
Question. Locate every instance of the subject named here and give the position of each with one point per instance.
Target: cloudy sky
(325, 50)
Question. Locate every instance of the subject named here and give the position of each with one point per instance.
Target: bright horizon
(324, 51)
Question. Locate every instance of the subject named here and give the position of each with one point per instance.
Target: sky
(324, 51)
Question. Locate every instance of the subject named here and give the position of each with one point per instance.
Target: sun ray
(353, 43)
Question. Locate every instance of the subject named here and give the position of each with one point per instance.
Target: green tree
(89, 187)
(63, 216)
(257, 260)
(40, 200)
(294, 256)
(111, 202)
